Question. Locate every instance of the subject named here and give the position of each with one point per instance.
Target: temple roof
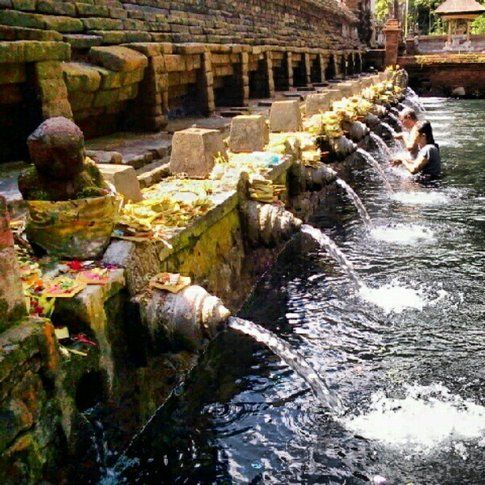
(454, 7)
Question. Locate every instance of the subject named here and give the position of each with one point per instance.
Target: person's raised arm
(416, 165)
(411, 140)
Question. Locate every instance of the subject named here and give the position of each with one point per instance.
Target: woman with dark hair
(428, 160)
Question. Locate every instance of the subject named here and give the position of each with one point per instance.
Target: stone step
(293, 94)
(154, 172)
(136, 149)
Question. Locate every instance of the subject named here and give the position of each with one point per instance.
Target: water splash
(396, 120)
(420, 198)
(292, 358)
(393, 298)
(364, 215)
(334, 252)
(383, 149)
(413, 100)
(427, 418)
(389, 128)
(402, 234)
(375, 164)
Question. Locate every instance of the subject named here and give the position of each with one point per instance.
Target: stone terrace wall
(309, 23)
(128, 65)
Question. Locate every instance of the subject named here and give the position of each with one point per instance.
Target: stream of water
(401, 343)
(375, 165)
(355, 199)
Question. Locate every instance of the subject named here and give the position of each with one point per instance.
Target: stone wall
(308, 23)
(441, 75)
(128, 65)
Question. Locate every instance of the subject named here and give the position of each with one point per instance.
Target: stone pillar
(268, 61)
(151, 104)
(392, 32)
(289, 65)
(338, 70)
(323, 66)
(52, 89)
(12, 302)
(245, 78)
(308, 68)
(208, 82)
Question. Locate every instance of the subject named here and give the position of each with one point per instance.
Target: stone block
(285, 116)
(56, 8)
(124, 178)
(48, 70)
(194, 151)
(56, 107)
(117, 58)
(81, 77)
(28, 5)
(104, 98)
(12, 302)
(248, 134)
(50, 89)
(8, 32)
(86, 10)
(174, 62)
(346, 89)
(46, 51)
(95, 23)
(82, 41)
(316, 103)
(63, 24)
(81, 100)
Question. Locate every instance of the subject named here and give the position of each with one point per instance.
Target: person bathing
(409, 119)
(427, 162)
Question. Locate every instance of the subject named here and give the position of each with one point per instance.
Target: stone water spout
(356, 130)
(190, 317)
(319, 176)
(268, 224)
(342, 147)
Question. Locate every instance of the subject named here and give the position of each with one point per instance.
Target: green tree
(382, 10)
(478, 25)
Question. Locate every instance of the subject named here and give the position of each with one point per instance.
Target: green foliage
(478, 25)
(423, 19)
(382, 9)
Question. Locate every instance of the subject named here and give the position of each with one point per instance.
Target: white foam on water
(420, 198)
(393, 298)
(427, 418)
(402, 234)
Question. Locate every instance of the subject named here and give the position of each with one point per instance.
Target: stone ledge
(33, 51)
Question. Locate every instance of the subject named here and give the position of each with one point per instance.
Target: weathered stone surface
(315, 103)
(123, 177)
(33, 51)
(82, 41)
(285, 116)
(81, 77)
(118, 58)
(104, 156)
(248, 134)
(57, 148)
(48, 70)
(194, 151)
(12, 304)
(23, 33)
